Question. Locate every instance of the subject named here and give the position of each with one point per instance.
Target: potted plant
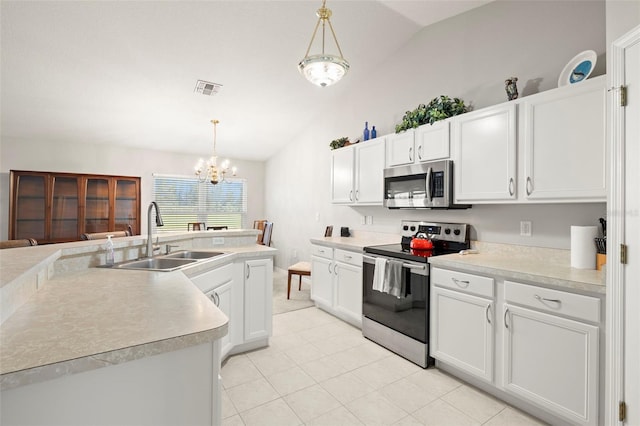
(438, 109)
(339, 143)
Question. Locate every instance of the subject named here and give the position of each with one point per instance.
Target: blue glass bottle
(366, 130)
(374, 133)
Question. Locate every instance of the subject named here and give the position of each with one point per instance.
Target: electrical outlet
(525, 228)
(363, 220)
(317, 216)
(218, 241)
(369, 220)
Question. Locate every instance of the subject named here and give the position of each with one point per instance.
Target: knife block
(601, 259)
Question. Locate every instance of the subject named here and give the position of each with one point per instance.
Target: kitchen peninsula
(157, 335)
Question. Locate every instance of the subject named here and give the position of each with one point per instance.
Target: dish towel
(393, 279)
(379, 273)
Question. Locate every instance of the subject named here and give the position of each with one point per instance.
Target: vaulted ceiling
(124, 72)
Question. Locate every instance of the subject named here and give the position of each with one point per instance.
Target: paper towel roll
(583, 248)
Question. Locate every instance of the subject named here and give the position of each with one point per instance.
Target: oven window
(406, 187)
(407, 315)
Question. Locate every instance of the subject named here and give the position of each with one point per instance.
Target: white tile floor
(319, 370)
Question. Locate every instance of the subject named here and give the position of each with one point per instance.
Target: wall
(622, 17)
(467, 56)
(114, 160)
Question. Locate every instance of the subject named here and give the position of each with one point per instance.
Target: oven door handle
(404, 265)
(428, 185)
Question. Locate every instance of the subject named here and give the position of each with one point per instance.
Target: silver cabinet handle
(529, 185)
(419, 152)
(215, 298)
(460, 283)
(329, 267)
(357, 193)
(351, 195)
(348, 257)
(410, 154)
(506, 312)
(335, 268)
(487, 313)
(544, 299)
(511, 187)
(248, 271)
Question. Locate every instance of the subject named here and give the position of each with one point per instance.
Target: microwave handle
(428, 184)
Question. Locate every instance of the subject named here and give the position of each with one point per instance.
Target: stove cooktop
(447, 238)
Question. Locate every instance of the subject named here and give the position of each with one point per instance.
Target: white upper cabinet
(563, 141)
(484, 144)
(400, 148)
(426, 143)
(342, 163)
(357, 173)
(432, 141)
(369, 172)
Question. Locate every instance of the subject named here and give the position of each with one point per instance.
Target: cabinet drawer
(322, 251)
(349, 257)
(560, 302)
(214, 278)
(460, 281)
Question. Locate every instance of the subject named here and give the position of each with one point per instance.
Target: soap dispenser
(109, 249)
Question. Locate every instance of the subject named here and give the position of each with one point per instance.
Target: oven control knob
(447, 231)
(456, 231)
(413, 228)
(405, 228)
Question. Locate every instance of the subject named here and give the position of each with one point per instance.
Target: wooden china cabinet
(57, 207)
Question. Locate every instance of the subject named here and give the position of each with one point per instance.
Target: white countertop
(544, 266)
(548, 267)
(97, 317)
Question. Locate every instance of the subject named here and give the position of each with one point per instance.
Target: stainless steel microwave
(420, 186)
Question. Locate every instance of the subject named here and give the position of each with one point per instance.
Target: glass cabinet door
(96, 217)
(29, 216)
(64, 208)
(126, 205)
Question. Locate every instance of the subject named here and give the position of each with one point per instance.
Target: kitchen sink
(196, 255)
(156, 264)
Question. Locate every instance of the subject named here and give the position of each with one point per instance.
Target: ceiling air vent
(207, 88)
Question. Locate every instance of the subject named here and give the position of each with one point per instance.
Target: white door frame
(615, 303)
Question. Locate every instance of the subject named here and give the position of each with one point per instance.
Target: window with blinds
(184, 199)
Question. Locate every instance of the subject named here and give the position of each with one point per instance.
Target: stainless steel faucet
(159, 222)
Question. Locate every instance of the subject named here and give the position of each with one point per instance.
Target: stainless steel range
(395, 287)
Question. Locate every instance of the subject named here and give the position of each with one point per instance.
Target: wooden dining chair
(196, 226)
(266, 235)
(217, 228)
(25, 242)
(104, 235)
(259, 224)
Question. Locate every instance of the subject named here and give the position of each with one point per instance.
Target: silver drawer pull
(348, 257)
(544, 299)
(460, 283)
(506, 313)
(487, 313)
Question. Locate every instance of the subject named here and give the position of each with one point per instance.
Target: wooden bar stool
(301, 269)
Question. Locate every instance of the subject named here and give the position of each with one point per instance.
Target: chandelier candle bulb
(211, 172)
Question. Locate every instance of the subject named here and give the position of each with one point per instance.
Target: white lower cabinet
(258, 291)
(243, 291)
(461, 326)
(548, 342)
(348, 285)
(322, 279)
(336, 282)
(218, 284)
(550, 360)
